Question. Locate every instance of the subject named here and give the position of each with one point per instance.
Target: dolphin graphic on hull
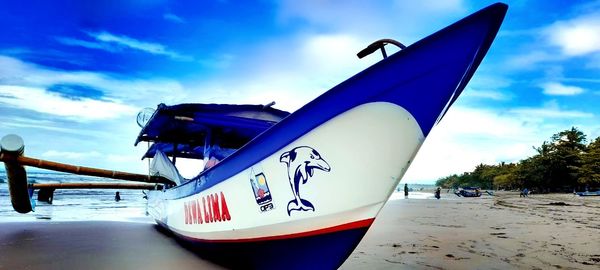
(301, 163)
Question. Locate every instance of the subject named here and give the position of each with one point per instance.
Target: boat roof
(229, 126)
(182, 150)
(186, 151)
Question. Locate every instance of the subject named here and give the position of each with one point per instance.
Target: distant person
(524, 193)
(117, 197)
(437, 193)
(405, 190)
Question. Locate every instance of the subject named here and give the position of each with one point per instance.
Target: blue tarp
(188, 125)
(187, 151)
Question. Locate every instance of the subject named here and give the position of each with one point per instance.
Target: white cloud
(131, 91)
(149, 47)
(469, 136)
(578, 36)
(115, 43)
(550, 112)
(71, 155)
(575, 37)
(18, 124)
(558, 89)
(272, 78)
(173, 18)
(485, 94)
(86, 44)
(372, 22)
(82, 109)
(529, 60)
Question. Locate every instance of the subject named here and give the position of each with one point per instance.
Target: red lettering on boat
(206, 213)
(224, 210)
(186, 212)
(213, 208)
(194, 211)
(199, 212)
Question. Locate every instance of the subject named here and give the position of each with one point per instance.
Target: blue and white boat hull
(304, 192)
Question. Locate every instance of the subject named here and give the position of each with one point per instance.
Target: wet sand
(92, 245)
(503, 232)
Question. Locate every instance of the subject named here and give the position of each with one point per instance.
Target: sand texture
(502, 232)
(92, 245)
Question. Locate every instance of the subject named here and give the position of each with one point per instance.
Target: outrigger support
(42, 186)
(46, 190)
(12, 148)
(379, 44)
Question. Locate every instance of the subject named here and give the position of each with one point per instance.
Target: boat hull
(230, 222)
(588, 193)
(368, 174)
(305, 252)
(305, 191)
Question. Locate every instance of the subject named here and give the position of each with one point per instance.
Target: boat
(588, 193)
(469, 192)
(294, 190)
(300, 190)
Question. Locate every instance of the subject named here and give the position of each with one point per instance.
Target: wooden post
(12, 147)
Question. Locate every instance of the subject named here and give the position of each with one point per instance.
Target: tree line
(564, 163)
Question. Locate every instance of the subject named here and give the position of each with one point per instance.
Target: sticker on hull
(262, 194)
(301, 163)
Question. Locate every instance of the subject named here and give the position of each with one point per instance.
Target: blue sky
(73, 75)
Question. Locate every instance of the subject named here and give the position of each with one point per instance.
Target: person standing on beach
(405, 190)
(437, 193)
(524, 193)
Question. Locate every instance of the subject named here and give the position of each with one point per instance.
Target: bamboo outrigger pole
(12, 148)
(8, 157)
(62, 167)
(91, 186)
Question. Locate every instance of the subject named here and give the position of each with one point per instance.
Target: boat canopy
(185, 129)
(186, 151)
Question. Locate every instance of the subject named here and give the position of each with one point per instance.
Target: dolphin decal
(301, 163)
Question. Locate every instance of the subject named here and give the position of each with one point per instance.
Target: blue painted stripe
(324, 251)
(425, 78)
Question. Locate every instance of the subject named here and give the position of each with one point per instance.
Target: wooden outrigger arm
(62, 167)
(91, 186)
(11, 153)
(46, 190)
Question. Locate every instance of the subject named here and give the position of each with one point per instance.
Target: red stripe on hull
(348, 226)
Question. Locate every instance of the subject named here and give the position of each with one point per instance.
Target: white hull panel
(367, 151)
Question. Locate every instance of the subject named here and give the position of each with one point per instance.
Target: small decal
(262, 194)
(301, 163)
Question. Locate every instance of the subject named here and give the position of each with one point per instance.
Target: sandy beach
(92, 245)
(502, 232)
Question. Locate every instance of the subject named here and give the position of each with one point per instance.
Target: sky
(74, 75)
